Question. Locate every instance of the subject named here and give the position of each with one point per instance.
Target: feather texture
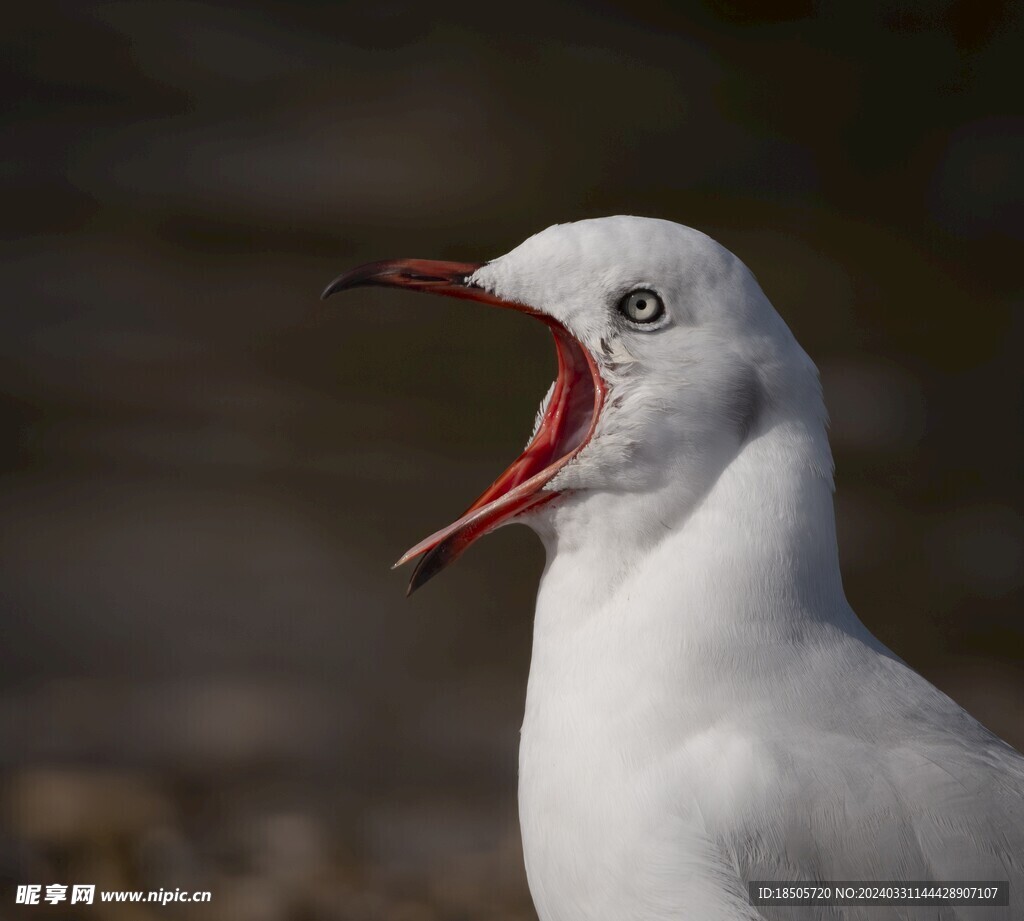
(704, 708)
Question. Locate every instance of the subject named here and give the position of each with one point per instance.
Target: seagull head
(670, 358)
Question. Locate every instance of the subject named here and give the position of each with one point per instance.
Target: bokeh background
(209, 678)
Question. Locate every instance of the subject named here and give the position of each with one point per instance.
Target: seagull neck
(752, 549)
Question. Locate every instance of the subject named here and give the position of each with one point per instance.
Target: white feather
(541, 410)
(704, 708)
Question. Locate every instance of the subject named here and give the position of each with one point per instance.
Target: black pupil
(640, 305)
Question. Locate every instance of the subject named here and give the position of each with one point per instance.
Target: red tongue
(567, 425)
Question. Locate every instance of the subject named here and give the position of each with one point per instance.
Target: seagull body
(704, 708)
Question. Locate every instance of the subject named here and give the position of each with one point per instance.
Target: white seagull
(704, 708)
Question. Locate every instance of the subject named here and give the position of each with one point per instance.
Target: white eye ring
(642, 306)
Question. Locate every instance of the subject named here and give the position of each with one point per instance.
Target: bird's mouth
(566, 426)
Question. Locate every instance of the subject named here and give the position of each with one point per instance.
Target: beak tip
(429, 565)
(332, 288)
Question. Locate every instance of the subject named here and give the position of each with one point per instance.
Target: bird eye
(642, 307)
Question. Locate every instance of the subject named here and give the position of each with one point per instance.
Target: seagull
(704, 709)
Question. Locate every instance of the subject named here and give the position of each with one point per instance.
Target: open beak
(567, 425)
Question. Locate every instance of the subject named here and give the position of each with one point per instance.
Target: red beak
(568, 424)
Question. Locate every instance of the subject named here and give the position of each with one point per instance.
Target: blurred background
(209, 678)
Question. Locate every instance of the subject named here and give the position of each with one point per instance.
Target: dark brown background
(208, 676)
